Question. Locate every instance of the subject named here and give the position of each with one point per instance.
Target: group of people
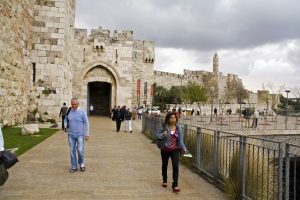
(119, 115)
(247, 115)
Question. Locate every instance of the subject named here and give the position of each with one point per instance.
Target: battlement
(80, 33)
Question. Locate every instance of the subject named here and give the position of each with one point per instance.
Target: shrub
(260, 178)
(52, 121)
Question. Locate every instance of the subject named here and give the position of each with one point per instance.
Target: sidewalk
(118, 166)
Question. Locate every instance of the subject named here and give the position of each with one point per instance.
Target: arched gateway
(101, 83)
(111, 69)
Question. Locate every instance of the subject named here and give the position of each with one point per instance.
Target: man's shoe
(164, 184)
(82, 169)
(72, 170)
(130, 131)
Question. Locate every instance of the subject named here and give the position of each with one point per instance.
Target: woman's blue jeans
(76, 143)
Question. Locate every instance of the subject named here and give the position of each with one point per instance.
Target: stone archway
(101, 89)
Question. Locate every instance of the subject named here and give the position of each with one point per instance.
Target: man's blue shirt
(77, 121)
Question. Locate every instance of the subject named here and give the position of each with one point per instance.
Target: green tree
(160, 96)
(175, 95)
(196, 93)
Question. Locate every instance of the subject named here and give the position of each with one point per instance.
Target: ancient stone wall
(16, 22)
(167, 79)
(53, 38)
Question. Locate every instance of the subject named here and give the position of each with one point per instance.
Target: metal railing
(236, 122)
(255, 167)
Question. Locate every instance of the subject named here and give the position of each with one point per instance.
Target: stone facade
(15, 45)
(116, 59)
(45, 61)
(51, 55)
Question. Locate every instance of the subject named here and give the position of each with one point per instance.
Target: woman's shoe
(176, 189)
(164, 184)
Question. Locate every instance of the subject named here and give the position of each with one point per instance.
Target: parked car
(154, 111)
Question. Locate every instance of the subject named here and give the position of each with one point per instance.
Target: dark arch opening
(99, 95)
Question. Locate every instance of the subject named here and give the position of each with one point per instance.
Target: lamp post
(212, 89)
(286, 108)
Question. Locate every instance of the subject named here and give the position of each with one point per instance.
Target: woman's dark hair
(168, 117)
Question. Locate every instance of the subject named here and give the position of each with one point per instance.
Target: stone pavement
(118, 166)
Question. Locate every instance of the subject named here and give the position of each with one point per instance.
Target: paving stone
(118, 166)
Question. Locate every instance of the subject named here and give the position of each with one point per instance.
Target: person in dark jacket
(62, 114)
(118, 117)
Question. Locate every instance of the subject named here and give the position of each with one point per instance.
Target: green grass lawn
(14, 139)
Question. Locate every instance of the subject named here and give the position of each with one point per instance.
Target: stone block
(57, 35)
(58, 25)
(60, 4)
(49, 24)
(57, 48)
(43, 59)
(43, 47)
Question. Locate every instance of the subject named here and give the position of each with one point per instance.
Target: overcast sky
(259, 40)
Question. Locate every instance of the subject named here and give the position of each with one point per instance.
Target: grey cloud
(199, 25)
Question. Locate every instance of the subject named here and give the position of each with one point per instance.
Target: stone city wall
(53, 38)
(16, 22)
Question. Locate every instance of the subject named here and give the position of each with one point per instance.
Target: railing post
(287, 171)
(185, 129)
(198, 154)
(280, 171)
(216, 155)
(242, 158)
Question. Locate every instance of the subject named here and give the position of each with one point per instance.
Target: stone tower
(216, 63)
(51, 55)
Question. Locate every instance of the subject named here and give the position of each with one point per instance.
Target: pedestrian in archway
(91, 109)
(172, 136)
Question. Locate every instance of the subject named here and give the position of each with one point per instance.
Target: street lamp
(212, 89)
(286, 112)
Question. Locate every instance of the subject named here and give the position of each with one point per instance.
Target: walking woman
(173, 145)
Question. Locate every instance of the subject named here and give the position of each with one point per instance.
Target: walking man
(128, 116)
(77, 126)
(215, 112)
(255, 119)
(62, 114)
(118, 116)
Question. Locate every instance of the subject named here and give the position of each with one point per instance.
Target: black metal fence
(247, 166)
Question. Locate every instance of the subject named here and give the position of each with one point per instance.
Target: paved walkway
(118, 166)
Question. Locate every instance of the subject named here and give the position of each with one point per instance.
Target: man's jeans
(76, 142)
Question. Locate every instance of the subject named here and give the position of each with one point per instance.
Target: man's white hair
(75, 99)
